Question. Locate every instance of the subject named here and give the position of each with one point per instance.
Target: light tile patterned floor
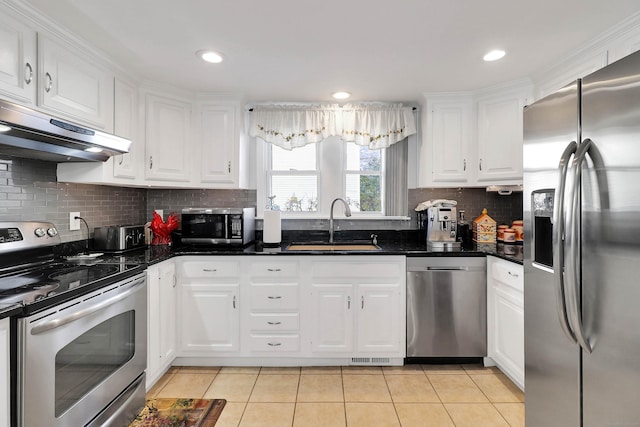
(408, 396)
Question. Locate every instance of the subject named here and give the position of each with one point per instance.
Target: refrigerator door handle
(558, 239)
(573, 266)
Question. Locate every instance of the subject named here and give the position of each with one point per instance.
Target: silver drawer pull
(513, 274)
(274, 297)
(209, 270)
(274, 344)
(274, 323)
(275, 270)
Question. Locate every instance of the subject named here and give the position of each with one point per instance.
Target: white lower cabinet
(267, 310)
(358, 306)
(505, 311)
(209, 305)
(4, 374)
(161, 318)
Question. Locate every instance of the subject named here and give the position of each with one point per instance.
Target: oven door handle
(55, 323)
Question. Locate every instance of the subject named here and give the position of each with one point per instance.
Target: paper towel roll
(271, 230)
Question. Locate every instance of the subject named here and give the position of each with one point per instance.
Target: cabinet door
(168, 148)
(168, 316)
(125, 124)
(333, 309)
(219, 160)
(509, 335)
(500, 139)
(72, 86)
(4, 373)
(379, 318)
(17, 60)
(210, 318)
(449, 132)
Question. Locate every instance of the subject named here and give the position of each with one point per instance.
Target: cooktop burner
(54, 279)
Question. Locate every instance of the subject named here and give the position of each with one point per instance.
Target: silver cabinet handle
(274, 344)
(150, 162)
(273, 270)
(362, 302)
(229, 167)
(348, 303)
(464, 165)
(120, 159)
(234, 301)
(274, 297)
(49, 82)
(513, 274)
(175, 281)
(559, 218)
(209, 270)
(28, 73)
(480, 164)
(274, 323)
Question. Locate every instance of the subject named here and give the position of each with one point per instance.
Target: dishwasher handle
(447, 268)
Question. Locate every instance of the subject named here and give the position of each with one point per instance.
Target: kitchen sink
(336, 247)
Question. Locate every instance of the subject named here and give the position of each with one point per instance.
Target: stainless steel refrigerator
(582, 252)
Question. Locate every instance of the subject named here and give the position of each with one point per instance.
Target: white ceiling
(297, 50)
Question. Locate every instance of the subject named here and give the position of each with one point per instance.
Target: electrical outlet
(74, 224)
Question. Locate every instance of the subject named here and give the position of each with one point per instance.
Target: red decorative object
(161, 230)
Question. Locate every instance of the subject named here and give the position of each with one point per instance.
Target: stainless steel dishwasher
(446, 306)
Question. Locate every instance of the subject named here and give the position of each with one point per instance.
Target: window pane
(295, 193)
(364, 192)
(362, 159)
(303, 158)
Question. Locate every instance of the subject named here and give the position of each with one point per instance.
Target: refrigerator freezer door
(611, 245)
(552, 361)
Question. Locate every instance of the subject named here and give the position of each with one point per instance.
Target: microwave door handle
(558, 240)
(574, 226)
(47, 325)
(226, 227)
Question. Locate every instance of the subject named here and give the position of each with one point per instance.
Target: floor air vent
(370, 361)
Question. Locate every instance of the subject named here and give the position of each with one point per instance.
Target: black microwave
(218, 226)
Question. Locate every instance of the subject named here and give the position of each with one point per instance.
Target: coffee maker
(442, 227)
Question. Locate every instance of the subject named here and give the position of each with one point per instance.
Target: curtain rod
(413, 108)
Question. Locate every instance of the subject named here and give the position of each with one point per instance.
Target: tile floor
(408, 396)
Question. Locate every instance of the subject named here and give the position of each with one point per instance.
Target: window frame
(381, 173)
(331, 173)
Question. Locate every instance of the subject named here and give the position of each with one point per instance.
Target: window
(305, 180)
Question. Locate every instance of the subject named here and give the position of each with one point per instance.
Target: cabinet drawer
(508, 273)
(275, 343)
(208, 269)
(357, 269)
(274, 322)
(274, 297)
(266, 270)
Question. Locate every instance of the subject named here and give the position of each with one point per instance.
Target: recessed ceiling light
(209, 56)
(494, 55)
(341, 95)
(4, 128)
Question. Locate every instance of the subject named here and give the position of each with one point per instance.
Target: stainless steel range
(80, 352)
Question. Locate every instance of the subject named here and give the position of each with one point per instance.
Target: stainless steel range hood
(34, 135)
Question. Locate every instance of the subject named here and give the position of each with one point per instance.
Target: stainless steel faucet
(347, 212)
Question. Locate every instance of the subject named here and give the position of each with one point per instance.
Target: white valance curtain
(372, 125)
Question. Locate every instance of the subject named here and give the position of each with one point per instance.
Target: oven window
(89, 359)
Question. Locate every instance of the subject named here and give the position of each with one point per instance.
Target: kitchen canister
(509, 235)
(500, 232)
(518, 226)
(271, 228)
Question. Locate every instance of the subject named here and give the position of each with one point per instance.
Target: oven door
(79, 356)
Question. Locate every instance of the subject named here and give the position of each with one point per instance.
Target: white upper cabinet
(17, 60)
(168, 145)
(449, 144)
(218, 162)
(72, 86)
(474, 139)
(500, 135)
(125, 124)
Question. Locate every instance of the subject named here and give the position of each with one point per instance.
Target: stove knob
(52, 232)
(39, 232)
